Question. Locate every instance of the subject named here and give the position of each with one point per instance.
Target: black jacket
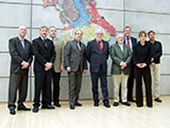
(156, 51)
(19, 54)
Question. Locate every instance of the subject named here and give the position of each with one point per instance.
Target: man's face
(22, 31)
(151, 36)
(44, 32)
(99, 35)
(78, 36)
(53, 32)
(127, 32)
(120, 39)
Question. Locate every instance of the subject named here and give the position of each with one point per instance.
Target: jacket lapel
(20, 45)
(96, 46)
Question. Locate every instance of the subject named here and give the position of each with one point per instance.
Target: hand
(61, 68)
(85, 71)
(153, 64)
(48, 66)
(25, 65)
(68, 69)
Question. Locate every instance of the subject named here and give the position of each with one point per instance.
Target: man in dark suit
(131, 41)
(43, 50)
(75, 64)
(97, 52)
(21, 58)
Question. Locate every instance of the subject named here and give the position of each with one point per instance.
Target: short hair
(78, 31)
(52, 27)
(142, 32)
(151, 31)
(127, 27)
(43, 27)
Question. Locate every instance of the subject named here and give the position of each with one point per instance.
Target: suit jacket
(94, 56)
(42, 53)
(59, 60)
(19, 54)
(75, 58)
(134, 42)
(117, 56)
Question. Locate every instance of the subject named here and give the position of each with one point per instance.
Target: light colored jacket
(59, 49)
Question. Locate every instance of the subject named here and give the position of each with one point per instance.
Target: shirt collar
(43, 38)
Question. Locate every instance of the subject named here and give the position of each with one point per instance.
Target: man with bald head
(121, 58)
(97, 53)
(21, 58)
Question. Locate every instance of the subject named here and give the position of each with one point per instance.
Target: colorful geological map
(81, 14)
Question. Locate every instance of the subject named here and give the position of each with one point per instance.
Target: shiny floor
(89, 116)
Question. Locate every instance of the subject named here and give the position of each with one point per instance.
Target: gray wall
(140, 15)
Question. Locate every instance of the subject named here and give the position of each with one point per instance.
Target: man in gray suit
(58, 64)
(121, 57)
(21, 58)
(75, 64)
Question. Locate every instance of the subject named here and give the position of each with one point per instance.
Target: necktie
(23, 45)
(45, 42)
(100, 47)
(78, 45)
(128, 43)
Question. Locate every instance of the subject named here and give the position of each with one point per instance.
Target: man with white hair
(97, 53)
(121, 57)
(21, 58)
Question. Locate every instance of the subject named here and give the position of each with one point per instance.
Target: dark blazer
(118, 56)
(73, 57)
(94, 56)
(134, 42)
(19, 54)
(42, 53)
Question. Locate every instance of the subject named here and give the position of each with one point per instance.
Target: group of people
(130, 59)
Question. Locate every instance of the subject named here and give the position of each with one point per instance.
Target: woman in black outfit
(142, 58)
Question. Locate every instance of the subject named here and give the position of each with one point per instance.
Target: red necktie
(128, 43)
(99, 45)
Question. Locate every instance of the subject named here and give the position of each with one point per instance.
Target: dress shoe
(23, 107)
(126, 103)
(132, 100)
(35, 109)
(107, 105)
(57, 104)
(115, 104)
(139, 105)
(77, 104)
(150, 106)
(158, 99)
(12, 111)
(47, 107)
(72, 107)
(96, 104)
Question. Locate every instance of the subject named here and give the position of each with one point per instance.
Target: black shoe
(126, 103)
(35, 109)
(115, 104)
(77, 104)
(23, 107)
(57, 104)
(47, 107)
(12, 111)
(107, 105)
(132, 100)
(72, 107)
(139, 105)
(96, 104)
